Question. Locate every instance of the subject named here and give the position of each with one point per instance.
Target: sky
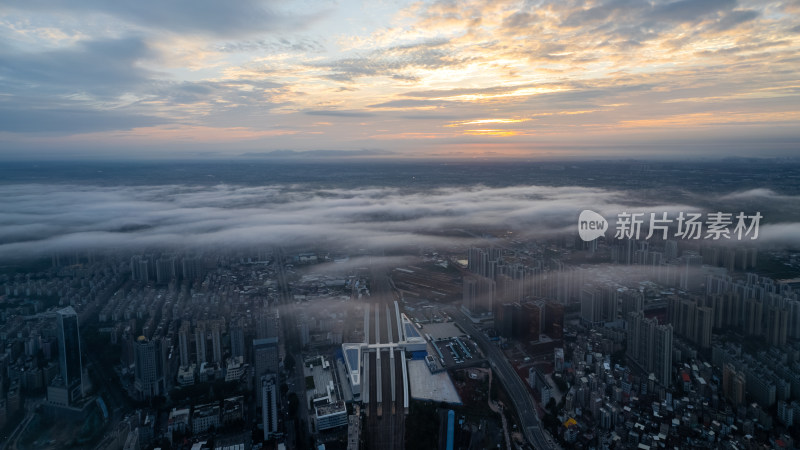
(393, 79)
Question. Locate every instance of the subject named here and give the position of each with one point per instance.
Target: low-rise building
(235, 368)
(331, 415)
(205, 417)
(186, 375)
(178, 421)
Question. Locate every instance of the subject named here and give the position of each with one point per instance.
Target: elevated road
(517, 391)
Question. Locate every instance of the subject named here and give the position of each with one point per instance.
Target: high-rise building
(268, 326)
(691, 273)
(632, 301)
(753, 314)
(778, 320)
(484, 262)
(711, 256)
(726, 309)
(622, 252)
(532, 320)
(793, 322)
(305, 333)
(265, 356)
(470, 294)
(149, 368)
(508, 289)
(216, 342)
(554, 320)
(686, 316)
(785, 413)
(681, 313)
(269, 404)
(650, 345)
(69, 352)
(140, 269)
(508, 320)
(558, 359)
(591, 307)
(237, 339)
(671, 250)
(660, 357)
(183, 343)
(200, 343)
(733, 384)
(478, 296)
(704, 320)
(693, 320)
(191, 268)
(166, 269)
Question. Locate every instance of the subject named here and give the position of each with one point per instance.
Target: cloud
(230, 103)
(339, 113)
(393, 61)
(735, 18)
(759, 193)
(596, 72)
(101, 85)
(432, 116)
(37, 219)
(70, 120)
(75, 89)
(780, 234)
(293, 154)
(273, 45)
(519, 19)
(690, 10)
(407, 103)
(603, 12)
(184, 16)
(104, 67)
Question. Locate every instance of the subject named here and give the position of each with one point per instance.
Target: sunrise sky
(201, 78)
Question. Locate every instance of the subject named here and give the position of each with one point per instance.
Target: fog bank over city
(38, 219)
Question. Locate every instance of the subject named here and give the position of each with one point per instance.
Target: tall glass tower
(69, 352)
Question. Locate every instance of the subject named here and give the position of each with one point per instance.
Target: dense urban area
(516, 344)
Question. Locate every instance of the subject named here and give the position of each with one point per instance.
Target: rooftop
(425, 385)
(331, 408)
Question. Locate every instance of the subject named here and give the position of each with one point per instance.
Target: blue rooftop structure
(352, 357)
(451, 422)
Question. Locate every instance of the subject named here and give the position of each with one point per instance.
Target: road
(297, 380)
(30, 408)
(517, 391)
(280, 275)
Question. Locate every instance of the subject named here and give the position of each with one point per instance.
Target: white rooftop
(425, 385)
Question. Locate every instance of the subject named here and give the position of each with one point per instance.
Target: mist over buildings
(39, 219)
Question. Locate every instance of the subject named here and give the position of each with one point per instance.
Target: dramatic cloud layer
(39, 219)
(432, 78)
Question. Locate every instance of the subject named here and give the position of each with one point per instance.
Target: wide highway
(515, 386)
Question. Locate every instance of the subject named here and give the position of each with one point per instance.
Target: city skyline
(398, 79)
